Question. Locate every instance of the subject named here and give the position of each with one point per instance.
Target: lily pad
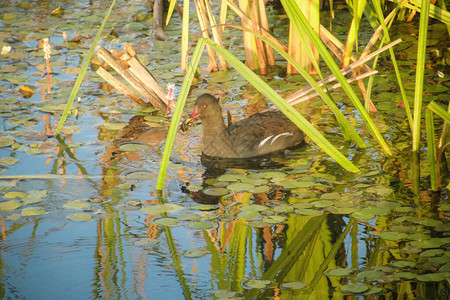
(8, 160)
(430, 243)
(370, 275)
(308, 212)
(240, 187)
(116, 126)
(161, 208)
(77, 204)
(260, 189)
(190, 216)
(199, 225)
(354, 288)
(230, 177)
(257, 283)
(405, 275)
(393, 236)
(146, 242)
(10, 205)
(15, 195)
(80, 217)
(141, 175)
(215, 191)
(205, 207)
(133, 147)
(339, 272)
(224, 294)
(403, 264)
(322, 203)
(293, 285)
(258, 224)
(432, 252)
(248, 214)
(166, 221)
(195, 253)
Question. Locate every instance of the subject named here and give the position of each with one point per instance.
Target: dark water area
(81, 217)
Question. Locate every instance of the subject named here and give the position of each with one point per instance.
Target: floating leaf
(80, 217)
(13, 217)
(308, 212)
(373, 290)
(403, 263)
(195, 188)
(354, 288)
(433, 277)
(161, 208)
(141, 175)
(215, 191)
(224, 294)
(275, 219)
(257, 284)
(133, 147)
(195, 252)
(240, 187)
(393, 236)
(431, 222)
(260, 189)
(117, 126)
(10, 205)
(229, 177)
(166, 221)
(432, 252)
(248, 214)
(370, 275)
(339, 272)
(360, 215)
(78, 204)
(190, 216)
(8, 160)
(418, 236)
(33, 211)
(322, 203)
(293, 285)
(34, 151)
(258, 224)
(205, 207)
(405, 275)
(199, 225)
(283, 208)
(430, 243)
(145, 242)
(15, 195)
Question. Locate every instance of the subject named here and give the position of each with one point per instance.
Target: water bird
(257, 135)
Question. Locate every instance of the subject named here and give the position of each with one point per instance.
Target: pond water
(81, 218)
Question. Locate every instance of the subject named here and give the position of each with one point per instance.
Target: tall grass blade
(288, 110)
(295, 14)
(377, 5)
(170, 10)
(420, 70)
(178, 111)
(185, 36)
(83, 70)
(431, 144)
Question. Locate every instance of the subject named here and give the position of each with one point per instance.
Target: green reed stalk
(287, 109)
(301, 24)
(420, 70)
(83, 70)
(178, 111)
(431, 144)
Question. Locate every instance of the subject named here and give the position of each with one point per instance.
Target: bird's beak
(194, 115)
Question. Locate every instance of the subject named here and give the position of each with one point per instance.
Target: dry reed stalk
(265, 27)
(201, 13)
(260, 49)
(249, 48)
(217, 35)
(132, 79)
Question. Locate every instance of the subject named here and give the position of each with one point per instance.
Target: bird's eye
(205, 106)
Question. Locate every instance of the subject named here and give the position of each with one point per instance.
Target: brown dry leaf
(26, 91)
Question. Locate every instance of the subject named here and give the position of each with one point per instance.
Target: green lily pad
(190, 216)
(430, 243)
(433, 277)
(418, 236)
(354, 288)
(258, 224)
(166, 221)
(199, 225)
(155, 119)
(133, 147)
(15, 195)
(161, 208)
(257, 283)
(240, 187)
(230, 177)
(308, 212)
(141, 175)
(431, 222)
(403, 264)
(405, 275)
(283, 208)
(216, 191)
(291, 184)
(444, 207)
(10, 205)
(115, 126)
(432, 252)
(8, 160)
(145, 242)
(248, 214)
(275, 219)
(77, 204)
(373, 290)
(360, 215)
(13, 217)
(293, 285)
(80, 217)
(260, 189)
(195, 252)
(322, 203)
(370, 275)
(224, 294)
(195, 188)
(393, 236)
(339, 272)
(205, 207)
